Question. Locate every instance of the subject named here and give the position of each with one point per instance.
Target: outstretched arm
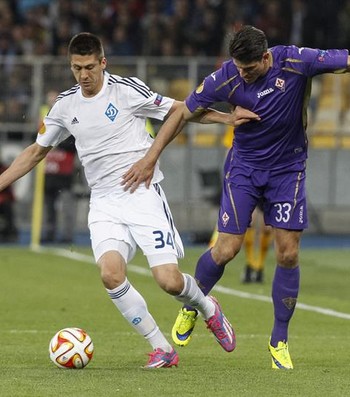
(237, 117)
(179, 115)
(142, 170)
(23, 163)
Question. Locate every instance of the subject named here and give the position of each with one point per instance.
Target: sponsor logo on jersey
(42, 129)
(301, 214)
(225, 218)
(265, 92)
(158, 100)
(280, 84)
(111, 112)
(74, 121)
(199, 89)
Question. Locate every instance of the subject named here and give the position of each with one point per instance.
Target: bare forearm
(179, 115)
(236, 117)
(211, 116)
(23, 163)
(175, 124)
(168, 132)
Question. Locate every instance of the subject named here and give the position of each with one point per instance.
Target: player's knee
(111, 279)
(171, 281)
(226, 248)
(224, 253)
(288, 258)
(112, 271)
(171, 288)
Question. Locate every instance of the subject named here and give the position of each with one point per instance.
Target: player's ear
(104, 63)
(266, 56)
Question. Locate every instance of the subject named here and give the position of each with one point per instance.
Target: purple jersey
(280, 98)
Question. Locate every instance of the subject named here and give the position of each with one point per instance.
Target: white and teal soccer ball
(71, 348)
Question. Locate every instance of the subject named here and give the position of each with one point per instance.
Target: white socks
(193, 296)
(134, 309)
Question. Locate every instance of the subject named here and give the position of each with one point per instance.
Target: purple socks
(285, 288)
(207, 274)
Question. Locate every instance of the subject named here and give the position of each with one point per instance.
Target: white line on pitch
(224, 290)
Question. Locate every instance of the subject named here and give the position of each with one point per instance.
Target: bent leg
(129, 301)
(211, 265)
(193, 296)
(183, 287)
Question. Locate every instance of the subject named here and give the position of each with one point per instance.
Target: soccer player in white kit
(107, 114)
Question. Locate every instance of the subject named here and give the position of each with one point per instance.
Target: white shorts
(122, 221)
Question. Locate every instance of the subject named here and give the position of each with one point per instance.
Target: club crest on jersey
(280, 84)
(158, 100)
(225, 218)
(111, 112)
(136, 320)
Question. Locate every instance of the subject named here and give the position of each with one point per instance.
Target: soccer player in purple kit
(267, 161)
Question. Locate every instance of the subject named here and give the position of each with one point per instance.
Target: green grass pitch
(42, 292)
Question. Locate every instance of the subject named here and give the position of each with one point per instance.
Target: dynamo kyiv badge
(111, 112)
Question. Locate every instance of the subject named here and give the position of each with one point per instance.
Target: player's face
(88, 72)
(250, 72)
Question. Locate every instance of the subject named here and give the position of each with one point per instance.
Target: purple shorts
(282, 192)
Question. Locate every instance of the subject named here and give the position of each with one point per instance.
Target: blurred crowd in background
(168, 27)
(139, 28)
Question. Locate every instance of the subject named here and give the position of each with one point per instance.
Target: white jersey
(109, 128)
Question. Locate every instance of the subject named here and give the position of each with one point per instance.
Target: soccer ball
(71, 348)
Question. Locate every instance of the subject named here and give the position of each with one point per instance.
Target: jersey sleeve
(313, 61)
(204, 95)
(52, 131)
(145, 103)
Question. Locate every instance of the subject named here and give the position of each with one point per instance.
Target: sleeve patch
(321, 55)
(42, 129)
(158, 100)
(200, 88)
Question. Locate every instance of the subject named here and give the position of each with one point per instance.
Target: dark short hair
(248, 44)
(86, 44)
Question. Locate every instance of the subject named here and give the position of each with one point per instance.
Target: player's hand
(241, 116)
(141, 171)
